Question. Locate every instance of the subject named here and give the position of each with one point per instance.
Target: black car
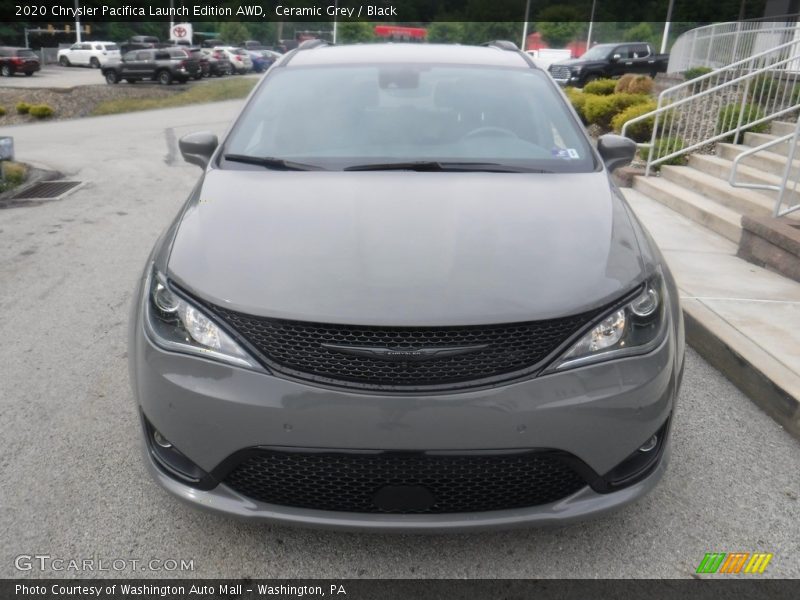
(162, 65)
(18, 60)
(609, 60)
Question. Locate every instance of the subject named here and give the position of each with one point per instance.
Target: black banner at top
(388, 11)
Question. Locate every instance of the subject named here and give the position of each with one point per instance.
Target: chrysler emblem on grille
(404, 355)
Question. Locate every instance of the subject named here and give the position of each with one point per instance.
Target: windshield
(26, 54)
(340, 117)
(598, 52)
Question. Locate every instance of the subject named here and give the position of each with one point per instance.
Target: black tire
(112, 77)
(94, 63)
(220, 73)
(63, 61)
(198, 77)
(164, 77)
(6, 71)
(28, 73)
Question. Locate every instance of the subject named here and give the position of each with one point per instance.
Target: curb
(771, 385)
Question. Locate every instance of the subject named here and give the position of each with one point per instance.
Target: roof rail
(310, 44)
(502, 45)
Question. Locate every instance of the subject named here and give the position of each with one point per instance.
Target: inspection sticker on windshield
(567, 153)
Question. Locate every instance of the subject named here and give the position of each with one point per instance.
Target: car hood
(405, 248)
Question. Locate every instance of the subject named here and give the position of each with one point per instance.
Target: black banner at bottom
(398, 589)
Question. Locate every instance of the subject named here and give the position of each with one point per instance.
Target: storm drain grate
(46, 189)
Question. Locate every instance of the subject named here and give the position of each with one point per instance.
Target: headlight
(635, 328)
(175, 324)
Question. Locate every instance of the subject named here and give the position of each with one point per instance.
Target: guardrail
(721, 44)
(791, 175)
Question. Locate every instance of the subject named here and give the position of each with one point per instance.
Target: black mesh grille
(297, 347)
(560, 72)
(350, 481)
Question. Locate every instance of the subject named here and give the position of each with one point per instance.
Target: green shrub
(696, 72)
(729, 117)
(763, 89)
(577, 98)
(634, 84)
(601, 87)
(2, 111)
(41, 111)
(23, 108)
(14, 173)
(600, 110)
(623, 83)
(638, 132)
(668, 145)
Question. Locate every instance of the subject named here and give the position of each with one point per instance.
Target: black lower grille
(391, 482)
(336, 353)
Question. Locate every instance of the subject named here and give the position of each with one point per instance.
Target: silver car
(405, 295)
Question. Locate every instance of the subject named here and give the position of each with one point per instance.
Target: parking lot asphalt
(56, 76)
(74, 485)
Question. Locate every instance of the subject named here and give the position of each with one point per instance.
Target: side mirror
(616, 57)
(197, 148)
(615, 150)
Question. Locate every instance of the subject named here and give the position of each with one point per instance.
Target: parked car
(212, 43)
(260, 62)
(18, 60)
(164, 65)
(610, 60)
(218, 62)
(239, 58)
(140, 42)
(89, 54)
(196, 53)
(406, 295)
(252, 45)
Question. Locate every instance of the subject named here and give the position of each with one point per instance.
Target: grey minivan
(406, 295)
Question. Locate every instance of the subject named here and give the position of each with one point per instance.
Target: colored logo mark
(734, 562)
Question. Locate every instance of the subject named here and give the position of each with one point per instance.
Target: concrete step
(698, 208)
(742, 201)
(756, 139)
(780, 128)
(721, 168)
(766, 161)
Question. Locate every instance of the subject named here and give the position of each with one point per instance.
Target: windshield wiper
(270, 162)
(435, 165)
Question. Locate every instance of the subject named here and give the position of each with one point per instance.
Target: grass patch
(214, 91)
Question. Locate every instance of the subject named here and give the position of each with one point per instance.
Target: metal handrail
(730, 82)
(781, 189)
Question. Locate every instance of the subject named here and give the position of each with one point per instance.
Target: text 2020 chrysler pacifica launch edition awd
(405, 295)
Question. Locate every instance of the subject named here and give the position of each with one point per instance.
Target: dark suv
(162, 65)
(18, 60)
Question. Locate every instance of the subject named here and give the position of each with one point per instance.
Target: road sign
(181, 32)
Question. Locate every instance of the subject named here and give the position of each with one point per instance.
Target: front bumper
(599, 414)
(584, 504)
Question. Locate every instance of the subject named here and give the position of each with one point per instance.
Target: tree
(559, 25)
(446, 32)
(233, 32)
(353, 32)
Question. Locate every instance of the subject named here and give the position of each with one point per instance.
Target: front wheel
(63, 61)
(112, 77)
(164, 78)
(94, 63)
(6, 71)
